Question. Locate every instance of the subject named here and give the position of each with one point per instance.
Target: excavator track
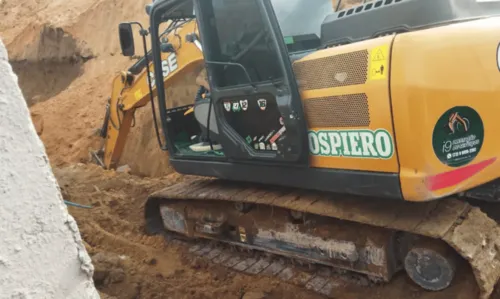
(374, 237)
(316, 278)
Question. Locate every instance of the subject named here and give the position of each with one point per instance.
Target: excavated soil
(130, 264)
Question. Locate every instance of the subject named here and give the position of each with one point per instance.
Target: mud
(131, 264)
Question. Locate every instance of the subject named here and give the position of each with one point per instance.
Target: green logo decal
(236, 107)
(351, 143)
(458, 136)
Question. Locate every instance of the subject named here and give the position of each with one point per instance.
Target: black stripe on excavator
(140, 64)
(363, 183)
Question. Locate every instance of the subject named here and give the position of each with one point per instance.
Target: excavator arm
(181, 55)
(127, 95)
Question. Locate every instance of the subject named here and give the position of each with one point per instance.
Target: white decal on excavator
(351, 143)
(168, 65)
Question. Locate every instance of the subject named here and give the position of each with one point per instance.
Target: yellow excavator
(362, 138)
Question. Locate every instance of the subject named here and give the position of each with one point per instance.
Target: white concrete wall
(41, 251)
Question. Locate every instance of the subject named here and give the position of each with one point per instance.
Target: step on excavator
(361, 139)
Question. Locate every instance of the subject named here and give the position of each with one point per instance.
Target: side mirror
(126, 39)
(148, 8)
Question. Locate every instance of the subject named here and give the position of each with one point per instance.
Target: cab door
(254, 96)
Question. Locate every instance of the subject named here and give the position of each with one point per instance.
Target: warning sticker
(378, 63)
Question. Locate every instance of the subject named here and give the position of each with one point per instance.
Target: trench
(42, 80)
(47, 61)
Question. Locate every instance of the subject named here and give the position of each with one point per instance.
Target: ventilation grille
(333, 71)
(366, 7)
(338, 111)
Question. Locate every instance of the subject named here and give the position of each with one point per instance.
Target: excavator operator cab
(252, 109)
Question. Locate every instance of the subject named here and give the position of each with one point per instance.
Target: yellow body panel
(439, 79)
(376, 89)
(432, 71)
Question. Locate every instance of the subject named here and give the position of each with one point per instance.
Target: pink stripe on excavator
(454, 177)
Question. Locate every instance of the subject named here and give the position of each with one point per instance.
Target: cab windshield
(238, 38)
(301, 17)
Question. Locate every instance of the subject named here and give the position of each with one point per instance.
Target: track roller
(431, 267)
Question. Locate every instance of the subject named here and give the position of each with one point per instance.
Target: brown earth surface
(66, 53)
(130, 264)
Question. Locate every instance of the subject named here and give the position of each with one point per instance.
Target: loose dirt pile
(130, 264)
(66, 54)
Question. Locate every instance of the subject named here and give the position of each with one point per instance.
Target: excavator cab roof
(377, 18)
(311, 24)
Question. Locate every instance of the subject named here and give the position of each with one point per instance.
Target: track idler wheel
(431, 265)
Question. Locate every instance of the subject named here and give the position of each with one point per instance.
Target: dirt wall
(66, 54)
(142, 151)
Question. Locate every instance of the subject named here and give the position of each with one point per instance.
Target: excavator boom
(130, 89)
